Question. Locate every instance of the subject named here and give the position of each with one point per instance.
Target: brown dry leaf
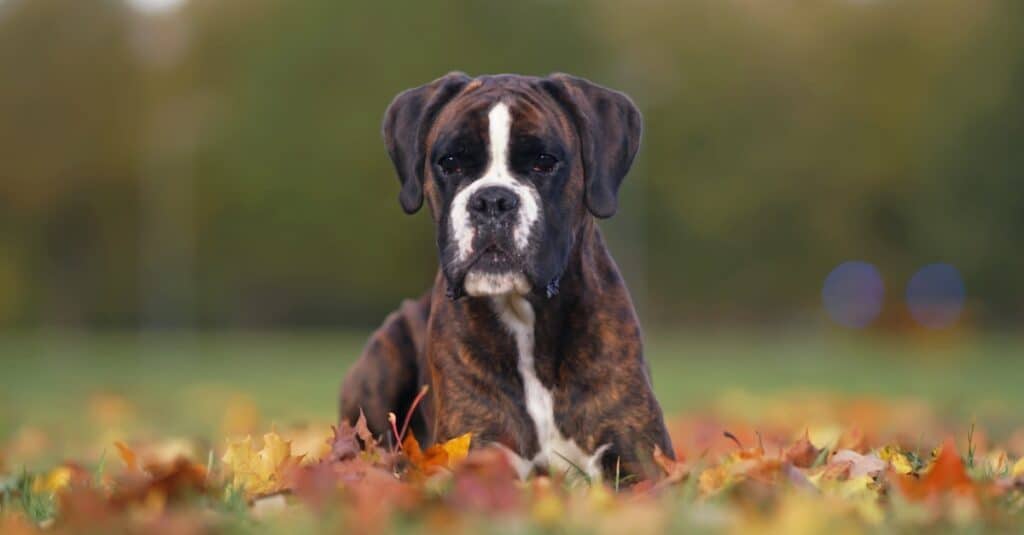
(344, 445)
(160, 485)
(836, 471)
(486, 481)
(363, 432)
(802, 453)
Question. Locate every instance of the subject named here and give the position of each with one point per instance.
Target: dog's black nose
(494, 202)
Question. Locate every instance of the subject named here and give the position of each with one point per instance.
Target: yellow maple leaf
(899, 460)
(1018, 468)
(257, 472)
(53, 481)
(444, 455)
(457, 448)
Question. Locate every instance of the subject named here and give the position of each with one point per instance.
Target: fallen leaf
(437, 457)
(486, 481)
(899, 460)
(344, 445)
(860, 465)
(947, 474)
(159, 485)
(60, 478)
(259, 472)
(457, 448)
(131, 461)
(675, 471)
(802, 453)
(1018, 468)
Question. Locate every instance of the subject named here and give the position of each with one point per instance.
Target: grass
(182, 384)
(81, 393)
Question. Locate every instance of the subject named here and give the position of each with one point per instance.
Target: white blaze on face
(497, 174)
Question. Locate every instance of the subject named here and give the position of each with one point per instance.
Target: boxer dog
(528, 338)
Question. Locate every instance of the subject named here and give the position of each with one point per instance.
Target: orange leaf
(947, 474)
(675, 471)
(412, 450)
(438, 456)
(131, 461)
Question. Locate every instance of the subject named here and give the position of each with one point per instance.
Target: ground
(740, 404)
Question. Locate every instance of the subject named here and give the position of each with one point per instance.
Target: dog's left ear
(609, 128)
(406, 123)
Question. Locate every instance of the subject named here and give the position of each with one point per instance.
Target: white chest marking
(499, 130)
(556, 452)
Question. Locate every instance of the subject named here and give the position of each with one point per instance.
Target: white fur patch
(556, 453)
(497, 174)
(479, 284)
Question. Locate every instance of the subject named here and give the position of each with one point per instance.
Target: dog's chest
(556, 452)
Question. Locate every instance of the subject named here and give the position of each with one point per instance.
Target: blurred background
(828, 191)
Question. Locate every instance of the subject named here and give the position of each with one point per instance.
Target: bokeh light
(853, 294)
(935, 295)
(155, 6)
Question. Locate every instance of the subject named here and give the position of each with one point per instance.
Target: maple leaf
(364, 434)
(128, 456)
(1018, 468)
(947, 474)
(60, 478)
(344, 445)
(457, 448)
(802, 453)
(675, 471)
(742, 464)
(437, 457)
(900, 461)
(259, 472)
(859, 465)
(160, 484)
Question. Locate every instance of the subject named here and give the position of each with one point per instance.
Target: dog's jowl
(528, 338)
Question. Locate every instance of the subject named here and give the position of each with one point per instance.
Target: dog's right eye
(450, 165)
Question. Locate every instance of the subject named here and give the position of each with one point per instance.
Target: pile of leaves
(727, 476)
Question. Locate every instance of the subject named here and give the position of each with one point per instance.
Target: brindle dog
(528, 338)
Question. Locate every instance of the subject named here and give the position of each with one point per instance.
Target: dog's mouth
(492, 269)
(492, 259)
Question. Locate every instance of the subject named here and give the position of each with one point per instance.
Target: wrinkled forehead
(466, 119)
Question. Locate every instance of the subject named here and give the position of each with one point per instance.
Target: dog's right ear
(406, 124)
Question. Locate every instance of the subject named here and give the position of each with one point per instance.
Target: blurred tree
(300, 220)
(70, 102)
(225, 160)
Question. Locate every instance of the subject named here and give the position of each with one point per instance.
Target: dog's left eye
(544, 163)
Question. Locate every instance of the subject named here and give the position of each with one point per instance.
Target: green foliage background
(221, 165)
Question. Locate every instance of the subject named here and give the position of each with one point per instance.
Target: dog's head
(511, 166)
